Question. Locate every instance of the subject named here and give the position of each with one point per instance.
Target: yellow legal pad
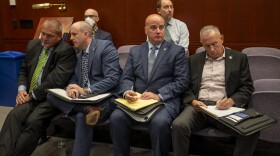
(139, 104)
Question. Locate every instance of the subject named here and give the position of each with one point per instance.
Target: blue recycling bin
(10, 65)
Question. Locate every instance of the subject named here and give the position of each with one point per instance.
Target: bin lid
(11, 54)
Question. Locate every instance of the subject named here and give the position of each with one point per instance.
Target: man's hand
(150, 95)
(73, 86)
(198, 103)
(72, 93)
(225, 103)
(131, 96)
(22, 97)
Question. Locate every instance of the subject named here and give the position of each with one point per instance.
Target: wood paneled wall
(245, 23)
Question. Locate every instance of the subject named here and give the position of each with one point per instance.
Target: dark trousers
(191, 120)
(83, 132)
(159, 129)
(23, 127)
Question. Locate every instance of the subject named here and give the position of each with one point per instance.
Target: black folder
(247, 122)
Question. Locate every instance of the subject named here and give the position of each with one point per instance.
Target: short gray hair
(56, 23)
(209, 28)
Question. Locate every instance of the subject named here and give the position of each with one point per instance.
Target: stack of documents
(139, 104)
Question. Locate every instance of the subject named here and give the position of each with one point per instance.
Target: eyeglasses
(155, 27)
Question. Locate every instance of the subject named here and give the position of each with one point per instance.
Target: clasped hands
(223, 104)
(131, 96)
(74, 91)
(22, 97)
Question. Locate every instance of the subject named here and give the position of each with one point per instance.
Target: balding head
(91, 13)
(81, 34)
(82, 26)
(51, 33)
(154, 29)
(212, 41)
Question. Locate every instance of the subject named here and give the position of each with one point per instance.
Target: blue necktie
(167, 36)
(152, 58)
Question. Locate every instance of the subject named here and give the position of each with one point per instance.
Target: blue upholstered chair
(200, 49)
(123, 54)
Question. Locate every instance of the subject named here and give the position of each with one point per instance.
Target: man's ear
(158, 10)
(222, 38)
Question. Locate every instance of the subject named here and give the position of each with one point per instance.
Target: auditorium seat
(263, 62)
(266, 99)
(123, 53)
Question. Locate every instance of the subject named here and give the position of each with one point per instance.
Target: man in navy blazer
(91, 16)
(167, 80)
(221, 77)
(102, 76)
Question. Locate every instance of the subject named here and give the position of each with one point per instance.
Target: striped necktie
(38, 70)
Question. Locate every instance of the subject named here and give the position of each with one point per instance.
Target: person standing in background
(91, 17)
(176, 31)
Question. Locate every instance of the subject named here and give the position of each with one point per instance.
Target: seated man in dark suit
(221, 77)
(97, 71)
(158, 70)
(91, 16)
(49, 63)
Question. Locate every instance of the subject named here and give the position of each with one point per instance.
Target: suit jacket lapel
(228, 64)
(145, 52)
(92, 49)
(200, 66)
(37, 52)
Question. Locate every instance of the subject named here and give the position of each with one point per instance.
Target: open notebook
(61, 93)
(216, 113)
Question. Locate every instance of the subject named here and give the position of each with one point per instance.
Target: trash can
(10, 65)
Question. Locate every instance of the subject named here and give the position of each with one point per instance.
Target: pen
(131, 88)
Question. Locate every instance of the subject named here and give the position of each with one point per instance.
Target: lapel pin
(230, 57)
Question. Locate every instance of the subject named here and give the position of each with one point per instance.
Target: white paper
(62, 93)
(219, 113)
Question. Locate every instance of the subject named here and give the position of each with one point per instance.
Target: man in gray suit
(163, 78)
(49, 63)
(102, 75)
(221, 77)
(91, 16)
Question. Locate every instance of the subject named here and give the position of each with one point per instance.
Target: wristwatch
(86, 90)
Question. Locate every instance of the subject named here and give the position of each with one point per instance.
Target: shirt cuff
(124, 94)
(161, 99)
(22, 87)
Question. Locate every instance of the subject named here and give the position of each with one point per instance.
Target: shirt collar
(170, 22)
(219, 58)
(151, 45)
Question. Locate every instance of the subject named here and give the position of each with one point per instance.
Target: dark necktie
(84, 69)
(152, 58)
(167, 36)
(38, 69)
